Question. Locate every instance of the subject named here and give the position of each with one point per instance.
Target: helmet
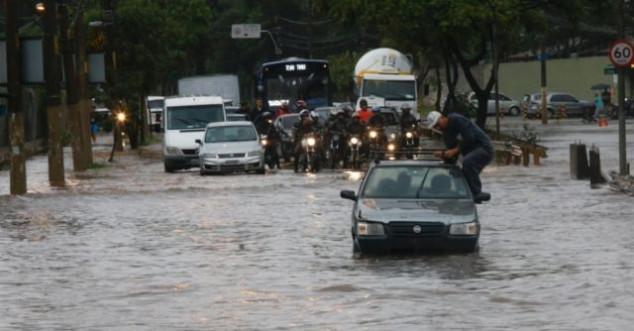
(348, 109)
(314, 114)
(267, 114)
(334, 111)
(406, 107)
(303, 113)
(356, 114)
(340, 112)
(376, 108)
(432, 119)
(363, 102)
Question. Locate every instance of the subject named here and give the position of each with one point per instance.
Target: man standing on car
(461, 135)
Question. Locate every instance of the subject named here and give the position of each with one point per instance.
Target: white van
(185, 121)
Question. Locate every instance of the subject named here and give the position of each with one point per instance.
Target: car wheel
(168, 168)
(261, 171)
(514, 111)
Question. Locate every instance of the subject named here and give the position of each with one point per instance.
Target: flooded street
(130, 247)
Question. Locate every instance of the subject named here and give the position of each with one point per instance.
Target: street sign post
(621, 53)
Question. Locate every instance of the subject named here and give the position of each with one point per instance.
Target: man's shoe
(482, 196)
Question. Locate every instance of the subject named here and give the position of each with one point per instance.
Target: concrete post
(579, 161)
(596, 177)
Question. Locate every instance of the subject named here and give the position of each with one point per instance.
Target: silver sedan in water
(230, 147)
(413, 206)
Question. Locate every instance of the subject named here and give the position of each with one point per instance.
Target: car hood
(231, 147)
(412, 210)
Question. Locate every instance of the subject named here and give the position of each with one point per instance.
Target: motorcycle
(354, 156)
(269, 150)
(409, 141)
(334, 151)
(376, 142)
(309, 158)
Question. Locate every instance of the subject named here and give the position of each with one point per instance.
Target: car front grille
(406, 229)
(228, 156)
(190, 151)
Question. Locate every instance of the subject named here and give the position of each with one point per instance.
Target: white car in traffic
(231, 147)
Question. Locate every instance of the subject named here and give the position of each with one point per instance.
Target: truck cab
(186, 118)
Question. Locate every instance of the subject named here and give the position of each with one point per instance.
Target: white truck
(383, 77)
(225, 86)
(185, 120)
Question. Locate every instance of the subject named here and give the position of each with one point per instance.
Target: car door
(572, 105)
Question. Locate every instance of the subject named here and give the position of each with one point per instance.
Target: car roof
(409, 163)
(230, 123)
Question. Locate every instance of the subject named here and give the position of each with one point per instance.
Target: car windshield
(390, 89)
(415, 182)
(193, 117)
(233, 133)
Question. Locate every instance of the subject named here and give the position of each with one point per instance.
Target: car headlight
(254, 153)
(393, 136)
(464, 229)
(171, 150)
(370, 229)
(373, 134)
(409, 135)
(311, 141)
(354, 140)
(209, 156)
(391, 147)
(264, 142)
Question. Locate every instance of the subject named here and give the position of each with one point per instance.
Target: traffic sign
(245, 31)
(621, 53)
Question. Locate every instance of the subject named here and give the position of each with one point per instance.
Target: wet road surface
(131, 247)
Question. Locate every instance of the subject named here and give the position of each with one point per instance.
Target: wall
(574, 75)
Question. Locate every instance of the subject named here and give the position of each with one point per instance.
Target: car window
(504, 97)
(230, 134)
(411, 182)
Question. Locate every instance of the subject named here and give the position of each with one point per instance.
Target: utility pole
(14, 87)
(544, 86)
(621, 76)
(53, 99)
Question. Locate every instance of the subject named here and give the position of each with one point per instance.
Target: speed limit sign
(621, 53)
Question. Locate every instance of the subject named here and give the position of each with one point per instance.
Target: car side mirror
(199, 142)
(347, 194)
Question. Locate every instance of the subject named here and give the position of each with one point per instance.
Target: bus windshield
(289, 81)
(193, 117)
(390, 89)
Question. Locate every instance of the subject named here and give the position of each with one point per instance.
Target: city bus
(295, 79)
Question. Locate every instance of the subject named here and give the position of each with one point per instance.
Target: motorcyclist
(300, 128)
(336, 127)
(356, 128)
(408, 123)
(377, 120)
(266, 127)
(364, 112)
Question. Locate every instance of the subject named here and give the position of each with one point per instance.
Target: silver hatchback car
(230, 147)
(508, 106)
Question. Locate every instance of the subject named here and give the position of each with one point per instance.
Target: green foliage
(341, 72)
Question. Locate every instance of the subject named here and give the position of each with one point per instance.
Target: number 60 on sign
(621, 53)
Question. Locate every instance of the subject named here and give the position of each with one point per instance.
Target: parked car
(413, 206)
(284, 125)
(230, 147)
(508, 106)
(554, 100)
